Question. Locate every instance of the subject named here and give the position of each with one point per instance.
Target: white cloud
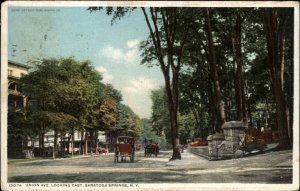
(136, 94)
(107, 78)
(133, 43)
(141, 105)
(131, 56)
(111, 52)
(128, 56)
(141, 86)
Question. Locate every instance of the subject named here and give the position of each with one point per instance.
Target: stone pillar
(234, 132)
(215, 143)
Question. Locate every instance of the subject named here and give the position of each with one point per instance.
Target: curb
(56, 159)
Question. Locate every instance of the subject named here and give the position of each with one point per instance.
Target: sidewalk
(203, 151)
(187, 158)
(49, 159)
(269, 158)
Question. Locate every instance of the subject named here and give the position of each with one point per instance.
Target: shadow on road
(279, 177)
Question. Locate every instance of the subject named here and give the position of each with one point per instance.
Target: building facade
(16, 101)
(16, 70)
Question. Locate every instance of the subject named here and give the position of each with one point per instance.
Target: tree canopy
(65, 95)
(220, 64)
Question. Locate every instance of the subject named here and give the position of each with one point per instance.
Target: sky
(39, 32)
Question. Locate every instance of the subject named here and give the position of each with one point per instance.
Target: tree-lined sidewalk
(66, 95)
(220, 64)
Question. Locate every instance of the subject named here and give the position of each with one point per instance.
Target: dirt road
(273, 167)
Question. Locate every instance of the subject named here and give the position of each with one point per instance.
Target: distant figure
(102, 150)
(151, 144)
(151, 148)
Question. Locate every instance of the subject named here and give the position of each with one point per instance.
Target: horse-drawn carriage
(124, 149)
(151, 149)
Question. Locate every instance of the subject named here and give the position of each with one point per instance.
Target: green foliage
(128, 123)
(108, 111)
(116, 12)
(57, 120)
(20, 126)
(148, 134)
(63, 94)
(67, 95)
(63, 85)
(160, 114)
(186, 26)
(158, 127)
(187, 127)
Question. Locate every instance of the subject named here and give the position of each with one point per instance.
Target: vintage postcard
(149, 95)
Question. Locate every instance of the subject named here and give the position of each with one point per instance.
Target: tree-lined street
(104, 82)
(272, 167)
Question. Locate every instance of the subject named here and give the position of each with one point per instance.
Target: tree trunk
(54, 143)
(172, 103)
(96, 138)
(81, 142)
(238, 73)
(110, 144)
(72, 143)
(43, 144)
(203, 136)
(213, 111)
(275, 35)
(168, 67)
(40, 140)
(214, 73)
(68, 144)
(248, 106)
(91, 142)
(85, 142)
(228, 102)
(63, 145)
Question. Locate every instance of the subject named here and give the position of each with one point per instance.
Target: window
(22, 74)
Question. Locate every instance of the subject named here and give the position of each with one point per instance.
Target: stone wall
(201, 151)
(227, 144)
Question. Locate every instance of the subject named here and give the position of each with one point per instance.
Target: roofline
(19, 64)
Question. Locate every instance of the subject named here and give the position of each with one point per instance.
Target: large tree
(60, 87)
(238, 69)
(217, 58)
(218, 102)
(168, 34)
(169, 30)
(108, 110)
(276, 23)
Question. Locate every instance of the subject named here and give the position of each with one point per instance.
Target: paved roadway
(272, 167)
